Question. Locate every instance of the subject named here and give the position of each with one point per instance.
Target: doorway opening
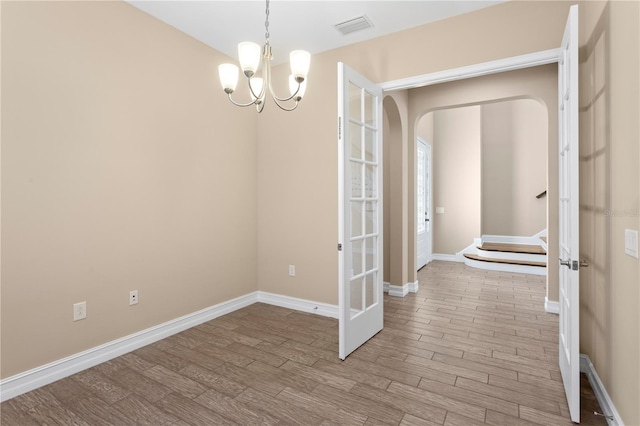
(490, 163)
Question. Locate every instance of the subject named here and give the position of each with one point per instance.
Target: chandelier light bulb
(249, 55)
(300, 62)
(228, 77)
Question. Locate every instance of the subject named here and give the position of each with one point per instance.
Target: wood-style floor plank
(470, 348)
(140, 384)
(288, 413)
(235, 410)
(96, 412)
(321, 407)
(190, 411)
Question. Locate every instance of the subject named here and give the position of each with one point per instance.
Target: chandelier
(249, 55)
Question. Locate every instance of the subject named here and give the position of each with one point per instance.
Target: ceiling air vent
(353, 25)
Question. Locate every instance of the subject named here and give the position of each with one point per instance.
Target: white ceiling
(302, 24)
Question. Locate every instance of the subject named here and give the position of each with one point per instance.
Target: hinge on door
(339, 247)
(339, 127)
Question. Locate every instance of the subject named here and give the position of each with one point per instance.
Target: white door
(360, 209)
(568, 220)
(423, 216)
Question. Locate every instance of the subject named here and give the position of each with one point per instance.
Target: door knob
(573, 265)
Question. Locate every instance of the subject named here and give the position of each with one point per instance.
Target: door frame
(485, 68)
(513, 63)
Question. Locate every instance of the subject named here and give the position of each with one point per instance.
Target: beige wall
(395, 196)
(497, 170)
(425, 128)
(123, 167)
(514, 167)
(609, 190)
(456, 178)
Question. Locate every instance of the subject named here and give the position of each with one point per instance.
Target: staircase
(527, 255)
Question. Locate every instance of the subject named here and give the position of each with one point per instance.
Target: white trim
(505, 267)
(396, 290)
(49, 373)
(401, 290)
(446, 257)
(527, 257)
(303, 305)
(509, 239)
(477, 70)
(606, 404)
(540, 241)
(551, 306)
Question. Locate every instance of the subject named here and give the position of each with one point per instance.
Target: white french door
(569, 340)
(423, 203)
(360, 209)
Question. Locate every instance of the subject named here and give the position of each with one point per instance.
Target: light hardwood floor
(471, 347)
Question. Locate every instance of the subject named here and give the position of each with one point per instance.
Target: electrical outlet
(292, 270)
(133, 297)
(79, 311)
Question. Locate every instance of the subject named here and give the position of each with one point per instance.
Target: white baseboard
(551, 306)
(606, 404)
(511, 239)
(396, 290)
(49, 373)
(302, 305)
(446, 257)
(401, 290)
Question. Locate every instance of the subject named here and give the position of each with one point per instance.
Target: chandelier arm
(254, 102)
(275, 100)
(239, 104)
(262, 90)
(275, 97)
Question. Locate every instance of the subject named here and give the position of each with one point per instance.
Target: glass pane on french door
(364, 196)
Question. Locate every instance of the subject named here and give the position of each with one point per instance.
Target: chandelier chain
(266, 23)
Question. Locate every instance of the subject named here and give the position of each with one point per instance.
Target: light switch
(631, 242)
(440, 210)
